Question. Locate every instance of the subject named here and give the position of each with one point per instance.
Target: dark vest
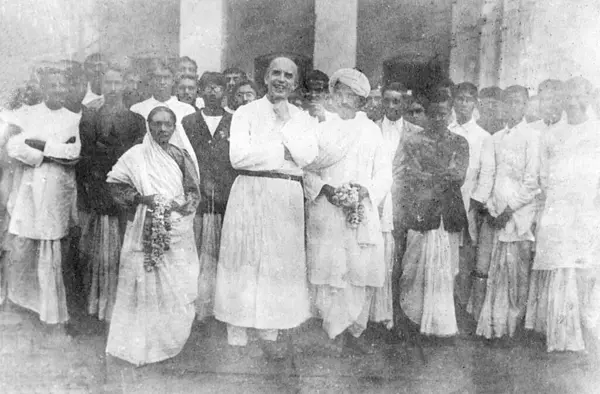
(216, 173)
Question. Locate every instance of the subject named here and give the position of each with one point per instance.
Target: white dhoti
(507, 289)
(429, 268)
(261, 275)
(564, 304)
(35, 278)
(381, 305)
(100, 247)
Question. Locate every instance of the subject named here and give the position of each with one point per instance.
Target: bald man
(261, 276)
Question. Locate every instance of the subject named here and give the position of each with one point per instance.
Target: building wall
(417, 29)
(259, 27)
(139, 27)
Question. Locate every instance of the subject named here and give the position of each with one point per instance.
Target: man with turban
(344, 243)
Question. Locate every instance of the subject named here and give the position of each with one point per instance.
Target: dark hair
(186, 76)
(161, 108)
(160, 64)
(516, 89)
(245, 82)
(189, 60)
(493, 92)
(438, 97)
(580, 81)
(234, 70)
(418, 98)
(551, 84)
(212, 77)
(395, 86)
(317, 75)
(446, 83)
(467, 87)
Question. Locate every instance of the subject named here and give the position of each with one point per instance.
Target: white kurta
(342, 259)
(516, 184)
(181, 110)
(41, 206)
(261, 276)
(482, 167)
(45, 199)
(570, 177)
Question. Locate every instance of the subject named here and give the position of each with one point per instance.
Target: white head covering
(354, 79)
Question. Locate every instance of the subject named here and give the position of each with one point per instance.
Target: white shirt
(212, 122)
(91, 96)
(44, 200)
(199, 102)
(181, 110)
(257, 139)
(517, 180)
(479, 179)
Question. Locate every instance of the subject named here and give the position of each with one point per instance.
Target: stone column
(335, 34)
(491, 43)
(202, 32)
(464, 53)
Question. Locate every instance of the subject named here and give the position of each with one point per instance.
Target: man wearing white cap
(344, 243)
(261, 275)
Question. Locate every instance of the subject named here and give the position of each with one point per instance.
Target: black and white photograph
(299, 196)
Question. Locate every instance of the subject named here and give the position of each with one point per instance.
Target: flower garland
(157, 233)
(347, 197)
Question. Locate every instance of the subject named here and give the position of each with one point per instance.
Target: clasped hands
(500, 221)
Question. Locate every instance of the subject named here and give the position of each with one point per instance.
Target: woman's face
(415, 114)
(162, 127)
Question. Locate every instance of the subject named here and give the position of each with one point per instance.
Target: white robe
(338, 256)
(261, 276)
(570, 176)
(482, 167)
(154, 311)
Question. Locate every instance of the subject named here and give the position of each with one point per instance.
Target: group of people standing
(197, 197)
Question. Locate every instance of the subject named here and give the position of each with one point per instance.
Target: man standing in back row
(261, 276)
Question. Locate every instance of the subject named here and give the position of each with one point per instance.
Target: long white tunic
(181, 110)
(261, 276)
(482, 167)
(44, 201)
(349, 151)
(516, 184)
(570, 178)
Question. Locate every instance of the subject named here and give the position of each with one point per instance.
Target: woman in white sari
(159, 267)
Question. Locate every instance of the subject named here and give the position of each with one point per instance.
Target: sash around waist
(269, 174)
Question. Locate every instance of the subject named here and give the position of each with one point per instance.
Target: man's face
(576, 100)
(550, 104)
(55, 90)
(281, 78)
(516, 106)
(374, 108)
(94, 69)
(187, 68)
(393, 104)
(439, 115)
(232, 79)
(317, 91)
(187, 90)
(491, 109)
(244, 95)
(133, 82)
(112, 85)
(464, 104)
(212, 94)
(415, 114)
(345, 101)
(162, 81)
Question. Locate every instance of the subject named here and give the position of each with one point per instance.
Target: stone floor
(208, 365)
